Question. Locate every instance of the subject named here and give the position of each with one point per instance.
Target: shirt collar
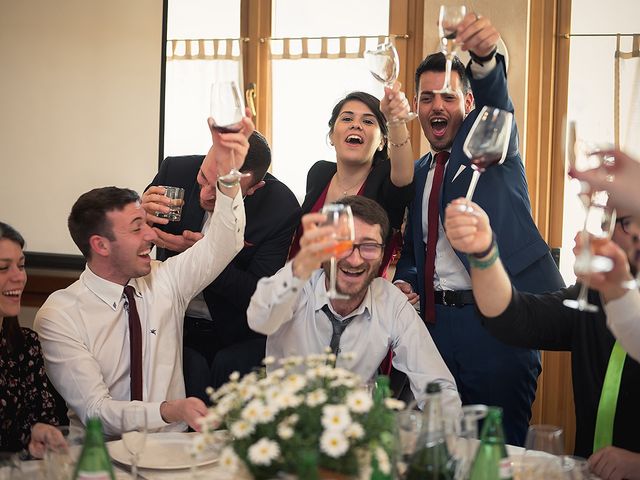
(109, 292)
(432, 163)
(320, 292)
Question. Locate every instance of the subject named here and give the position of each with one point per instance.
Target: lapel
(420, 180)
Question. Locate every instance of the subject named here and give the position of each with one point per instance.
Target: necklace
(345, 191)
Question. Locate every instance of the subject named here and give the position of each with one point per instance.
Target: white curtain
(627, 96)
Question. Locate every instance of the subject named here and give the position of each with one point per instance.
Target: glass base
(583, 306)
(445, 90)
(631, 284)
(592, 264)
(232, 178)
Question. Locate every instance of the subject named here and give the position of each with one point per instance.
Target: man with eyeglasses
(606, 381)
(293, 309)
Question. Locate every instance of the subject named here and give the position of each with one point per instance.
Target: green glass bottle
(491, 461)
(94, 462)
(382, 390)
(432, 460)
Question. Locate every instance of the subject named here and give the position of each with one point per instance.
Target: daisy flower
(263, 452)
(317, 397)
(242, 428)
(229, 460)
(333, 444)
(335, 417)
(354, 431)
(359, 401)
(393, 404)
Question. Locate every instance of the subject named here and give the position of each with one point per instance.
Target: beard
(353, 290)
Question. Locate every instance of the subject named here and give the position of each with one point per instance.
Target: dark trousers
(207, 361)
(486, 370)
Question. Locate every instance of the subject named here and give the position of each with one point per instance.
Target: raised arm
(395, 105)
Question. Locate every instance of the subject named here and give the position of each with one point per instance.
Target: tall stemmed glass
(227, 111)
(599, 224)
(134, 433)
(384, 64)
(487, 142)
(341, 218)
(448, 21)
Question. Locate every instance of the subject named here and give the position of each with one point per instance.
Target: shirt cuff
(623, 313)
(154, 418)
(481, 71)
(287, 283)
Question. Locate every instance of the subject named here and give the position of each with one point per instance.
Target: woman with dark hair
(374, 158)
(28, 402)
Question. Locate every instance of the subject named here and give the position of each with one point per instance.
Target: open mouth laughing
(439, 125)
(354, 139)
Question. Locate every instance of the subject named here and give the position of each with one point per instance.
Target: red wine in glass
(482, 162)
(227, 128)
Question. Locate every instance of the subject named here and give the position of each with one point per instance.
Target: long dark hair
(11, 330)
(372, 104)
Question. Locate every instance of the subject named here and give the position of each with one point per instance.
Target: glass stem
(447, 72)
(472, 184)
(583, 294)
(332, 280)
(134, 467)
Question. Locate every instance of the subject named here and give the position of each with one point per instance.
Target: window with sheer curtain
(316, 58)
(604, 93)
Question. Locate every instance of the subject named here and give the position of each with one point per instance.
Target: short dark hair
(369, 211)
(88, 215)
(11, 330)
(374, 105)
(258, 157)
(437, 62)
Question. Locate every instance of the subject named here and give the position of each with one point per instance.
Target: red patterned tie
(135, 345)
(432, 237)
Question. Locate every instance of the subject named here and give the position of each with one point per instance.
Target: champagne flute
(227, 111)
(384, 64)
(341, 218)
(134, 433)
(448, 21)
(487, 142)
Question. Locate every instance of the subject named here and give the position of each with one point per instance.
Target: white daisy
(235, 376)
(263, 452)
(251, 412)
(229, 460)
(242, 428)
(359, 401)
(393, 404)
(354, 431)
(270, 360)
(294, 382)
(285, 432)
(335, 417)
(317, 397)
(267, 413)
(334, 444)
(383, 461)
(288, 400)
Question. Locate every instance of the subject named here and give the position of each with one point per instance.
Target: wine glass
(227, 111)
(448, 21)
(407, 429)
(134, 433)
(384, 64)
(62, 452)
(341, 218)
(544, 438)
(487, 142)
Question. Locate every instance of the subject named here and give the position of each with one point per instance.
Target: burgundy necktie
(432, 236)
(135, 344)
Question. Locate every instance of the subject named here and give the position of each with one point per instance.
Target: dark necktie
(338, 329)
(135, 344)
(432, 236)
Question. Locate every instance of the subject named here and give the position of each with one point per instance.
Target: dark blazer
(272, 214)
(501, 192)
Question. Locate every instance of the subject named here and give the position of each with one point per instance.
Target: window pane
(590, 105)
(596, 16)
(304, 93)
(330, 18)
(203, 19)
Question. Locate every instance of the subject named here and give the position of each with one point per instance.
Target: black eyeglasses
(625, 222)
(368, 250)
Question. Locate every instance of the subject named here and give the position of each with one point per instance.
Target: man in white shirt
(85, 329)
(293, 309)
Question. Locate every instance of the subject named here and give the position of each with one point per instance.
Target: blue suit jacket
(501, 192)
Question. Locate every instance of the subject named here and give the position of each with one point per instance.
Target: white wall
(79, 107)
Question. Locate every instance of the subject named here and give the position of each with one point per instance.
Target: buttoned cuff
(287, 283)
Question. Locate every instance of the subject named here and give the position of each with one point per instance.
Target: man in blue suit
(430, 271)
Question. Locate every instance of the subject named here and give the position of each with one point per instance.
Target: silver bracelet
(235, 183)
(398, 145)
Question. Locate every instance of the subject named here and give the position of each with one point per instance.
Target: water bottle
(94, 462)
(491, 461)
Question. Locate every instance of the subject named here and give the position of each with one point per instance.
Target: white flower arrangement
(306, 414)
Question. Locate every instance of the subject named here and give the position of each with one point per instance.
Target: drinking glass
(227, 111)
(544, 438)
(598, 227)
(408, 425)
(574, 468)
(134, 433)
(60, 458)
(176, 201)
(341, 218)
(487, 142)
(384, 64)
(448, 21)
(462, 438)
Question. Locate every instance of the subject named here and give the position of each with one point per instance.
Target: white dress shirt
(84, 329)
(623, 319)
(450, 273)
(290, 312)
